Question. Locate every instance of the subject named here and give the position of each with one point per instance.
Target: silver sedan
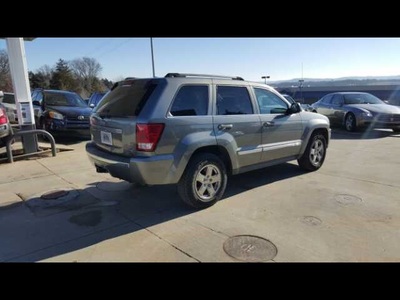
(355, 110)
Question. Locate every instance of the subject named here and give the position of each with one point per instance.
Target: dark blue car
(61, 112)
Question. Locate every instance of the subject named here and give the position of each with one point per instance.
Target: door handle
(225, 126)
(269, 124)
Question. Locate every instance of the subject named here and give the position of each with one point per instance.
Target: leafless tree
(87, 70)
(5, 77)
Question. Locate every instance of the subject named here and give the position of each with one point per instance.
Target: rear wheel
(204, 181)
(396, 129)
(314, 155)
(350, 122)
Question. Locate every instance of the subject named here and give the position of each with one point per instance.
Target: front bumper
(152, 170)
(63, 126)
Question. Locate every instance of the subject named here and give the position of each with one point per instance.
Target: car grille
(74, 122)
(389, 118)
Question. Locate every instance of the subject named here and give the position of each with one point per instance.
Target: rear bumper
(144, 170)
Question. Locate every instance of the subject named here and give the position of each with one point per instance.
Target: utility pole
(152, 56)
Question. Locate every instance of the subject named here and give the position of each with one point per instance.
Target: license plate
(106, 137)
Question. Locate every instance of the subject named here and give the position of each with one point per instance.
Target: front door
(281, 132)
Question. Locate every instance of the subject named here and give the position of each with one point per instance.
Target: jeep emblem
(81, 118)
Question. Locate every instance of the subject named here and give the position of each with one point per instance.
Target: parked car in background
(195, 130)
(305, 107)
(355, 110)
(5, 127)
(8, 102)
(95, 99)
(61, 112)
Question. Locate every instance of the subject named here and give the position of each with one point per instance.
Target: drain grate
(52, 195)
(250, 248)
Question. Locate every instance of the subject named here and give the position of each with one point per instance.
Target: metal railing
(28, 132)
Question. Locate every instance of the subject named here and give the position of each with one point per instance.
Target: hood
(71, 111)
(378, 108)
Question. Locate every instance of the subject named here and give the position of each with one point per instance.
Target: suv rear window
(127, 99)
(191, 100)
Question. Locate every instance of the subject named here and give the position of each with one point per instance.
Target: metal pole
(22, 90)
(152, 57)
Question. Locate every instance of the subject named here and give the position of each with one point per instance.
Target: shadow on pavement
(341, 134)
(40, 229)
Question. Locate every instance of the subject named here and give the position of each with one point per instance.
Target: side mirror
(37, 103)
(294, 108)
(386, 101)
(91, 105)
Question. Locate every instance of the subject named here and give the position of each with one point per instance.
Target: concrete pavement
(349, 210)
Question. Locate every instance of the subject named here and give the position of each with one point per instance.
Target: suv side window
(191, 100)
(233, 100)
(269, 103)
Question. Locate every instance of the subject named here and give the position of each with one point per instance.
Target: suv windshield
(64, 99)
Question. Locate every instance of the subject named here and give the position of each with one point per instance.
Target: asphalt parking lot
(347, 211)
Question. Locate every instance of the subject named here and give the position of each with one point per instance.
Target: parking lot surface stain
(346, 199)
(310, 220)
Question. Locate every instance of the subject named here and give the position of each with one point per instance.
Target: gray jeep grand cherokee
(195, 130)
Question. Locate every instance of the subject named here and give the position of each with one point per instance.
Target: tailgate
(113, 122)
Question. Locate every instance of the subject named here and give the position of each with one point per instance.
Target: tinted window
(337, 99)
(269, 103)
(127, 99)
(327, 99)
(9, 98)
(191, 101)
(232, 100)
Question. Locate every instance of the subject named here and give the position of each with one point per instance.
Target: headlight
(366, 114)
(56, 115)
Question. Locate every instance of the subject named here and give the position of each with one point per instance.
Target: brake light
(148, 135)
(3, 117)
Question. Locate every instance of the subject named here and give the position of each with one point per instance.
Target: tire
(350, 122)
(42, 126)
(396, 130)
(314, 155)
(204, 181)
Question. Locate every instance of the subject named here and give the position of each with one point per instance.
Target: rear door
(236, 125)
(113, 123)
(281, 132)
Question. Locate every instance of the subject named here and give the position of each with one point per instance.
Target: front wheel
(204, 181)
(350, 122)
(314, 155)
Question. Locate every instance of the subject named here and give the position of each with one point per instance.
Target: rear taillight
(148, 135)
(3, 116)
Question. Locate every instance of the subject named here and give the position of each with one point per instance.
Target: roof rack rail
(201, 75)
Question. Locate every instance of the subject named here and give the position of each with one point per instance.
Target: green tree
(63, 78)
